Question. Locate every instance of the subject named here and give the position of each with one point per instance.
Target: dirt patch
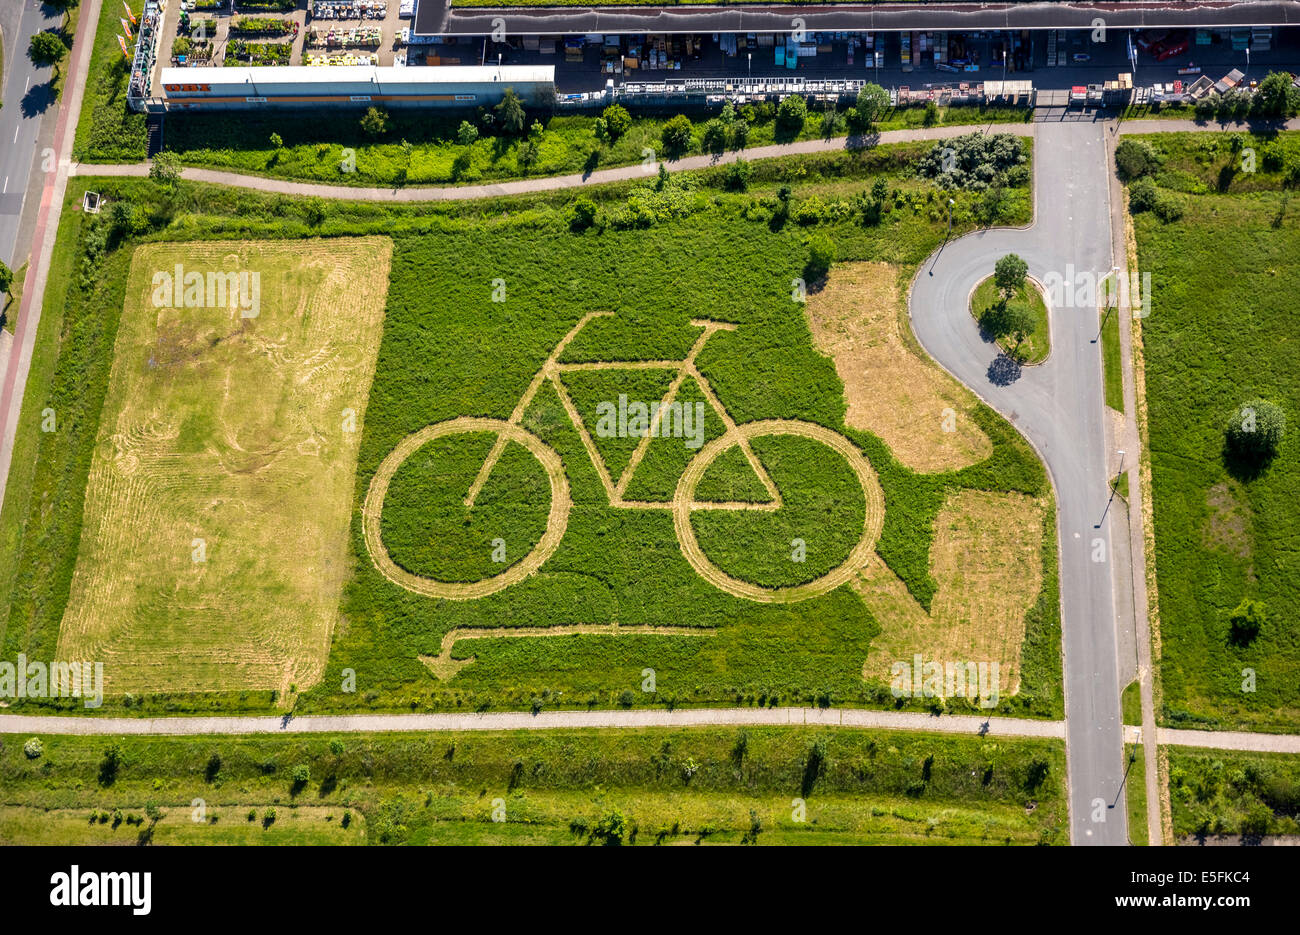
(1228, 525)
(987, 562)
(920, 412)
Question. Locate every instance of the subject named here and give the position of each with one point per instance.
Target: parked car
(1172, 50)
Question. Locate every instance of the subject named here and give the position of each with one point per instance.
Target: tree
(6, 278)
(1253, 435)
(676, 135)
(1246, 622)
(1020, 322)
(1276, 96)
(46, 49)
(527, 154)
(737, 175)
(873, 101)
(714, 137)
(165, 168)
(467, 133)
(277, 141)
(374, 122)
(792, 114)
(617, 121)
(1009, 274)
(1135, 159)
(510, 113)
(740, 134)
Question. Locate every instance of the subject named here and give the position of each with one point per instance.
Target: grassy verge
(1035, 347)
(107, 131)
(1112, 368)
(1135, 795)
(1131, 703)
(1231, 792)
(337, 151)
(1120, 484)
(763, 785)
(1223, 536)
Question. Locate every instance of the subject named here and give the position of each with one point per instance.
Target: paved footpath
(552, 182)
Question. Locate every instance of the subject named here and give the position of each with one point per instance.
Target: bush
(374, 123)
(792, 114)
(740, 135)
(467, 133)
(510, 113)
(165, 168)
(714, 137)
(1143, 196)
(582, 214)
(1246, 622)
(1254, 434)
(1135, 159)
(676, 135)
(809, 211)
(617, 120)
(737, 175)
(974, 161)
(821, 254)
(301, 774)
(33, 748)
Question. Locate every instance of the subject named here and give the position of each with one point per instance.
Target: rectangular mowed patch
(214, 538)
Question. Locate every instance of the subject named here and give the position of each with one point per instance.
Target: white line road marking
(16, 129)
(6, 188)
(27, 83)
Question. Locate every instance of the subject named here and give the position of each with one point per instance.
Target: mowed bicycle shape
(682, 505)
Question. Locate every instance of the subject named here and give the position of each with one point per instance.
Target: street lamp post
(749, 56)
(950, 207)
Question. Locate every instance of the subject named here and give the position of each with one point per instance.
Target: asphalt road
(28, 97)
(1058, 405)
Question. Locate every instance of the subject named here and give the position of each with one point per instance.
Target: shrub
(821, 254)
(1246, 622)
(792, 114)
(527, 154)
(740, 135)
(467, 133)
(374, 123)
(809, 211)
(737, 175)
(277, 141)
(165, 168)
(1135, 159)
(975, 161)
(301, 774)
(1143, 196)
(626, 698)
(617, 120)
(336, 747)
(510, 112)
(582, 214)
(1254, 434)
(33, 748)
(676, 135)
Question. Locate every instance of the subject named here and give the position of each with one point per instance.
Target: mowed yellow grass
(920, 412)
(987, 563)
(214, 542)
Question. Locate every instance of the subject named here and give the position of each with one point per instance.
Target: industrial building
(190, 89)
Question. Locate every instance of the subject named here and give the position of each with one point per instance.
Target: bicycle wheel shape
(684, 504)
(556, 521)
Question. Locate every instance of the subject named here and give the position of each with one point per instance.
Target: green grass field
(699, 785)
(1229, 792)
(1035, 347)
(448, 350)
(1221, 331)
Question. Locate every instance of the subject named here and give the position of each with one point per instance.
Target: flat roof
(361, 74)
(432, 17)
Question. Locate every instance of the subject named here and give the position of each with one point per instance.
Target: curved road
(1058, 405)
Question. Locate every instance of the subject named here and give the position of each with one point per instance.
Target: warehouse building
(191, 89)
